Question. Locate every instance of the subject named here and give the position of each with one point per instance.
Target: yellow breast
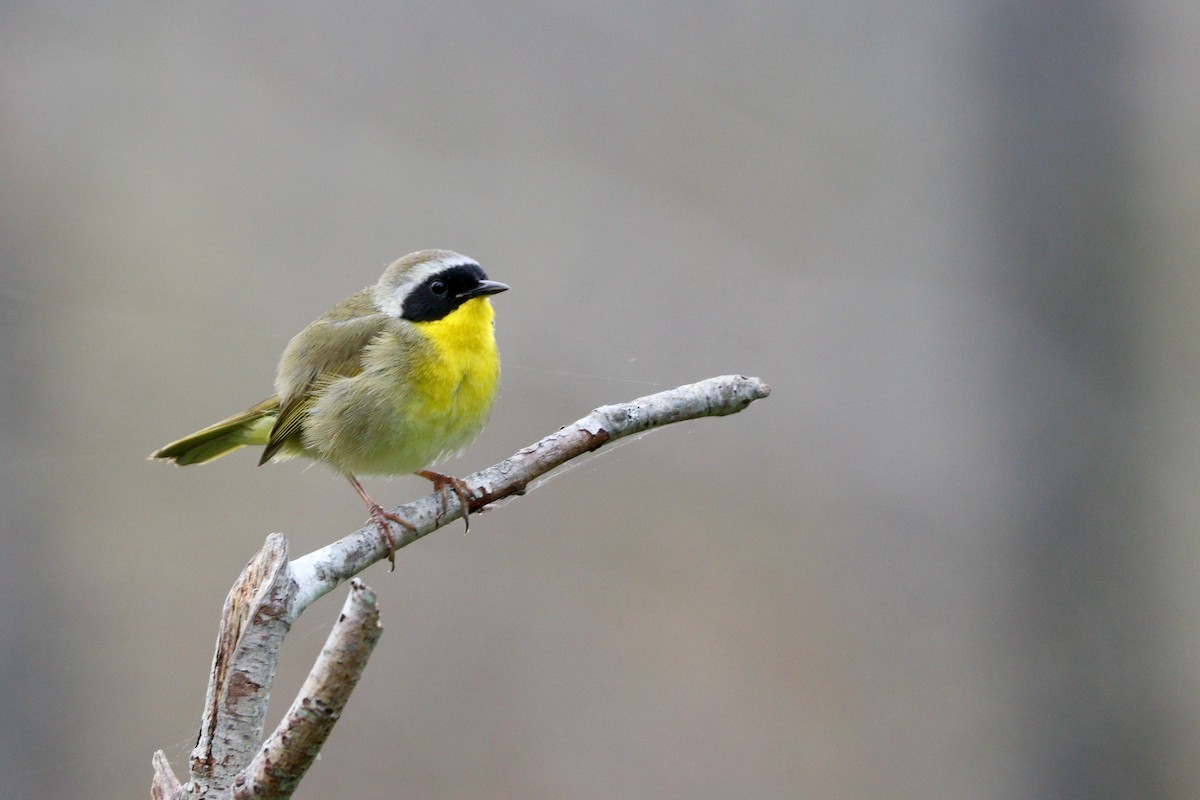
(449, 392)
(417, 399)
(455, 388)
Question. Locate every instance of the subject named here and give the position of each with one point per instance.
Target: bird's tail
(252, 426)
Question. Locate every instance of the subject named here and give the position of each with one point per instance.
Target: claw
(381, 519)
(461, 490)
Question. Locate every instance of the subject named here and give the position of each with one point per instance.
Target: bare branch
(322, 570)
(165, 785)
(271, 593)
(257, 615)
(291, 749)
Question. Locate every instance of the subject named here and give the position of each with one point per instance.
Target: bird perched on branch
(387, 382)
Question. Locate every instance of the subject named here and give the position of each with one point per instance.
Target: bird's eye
(438, 288)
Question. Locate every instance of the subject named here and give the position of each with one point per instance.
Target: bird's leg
(464, 493)
(381, 518)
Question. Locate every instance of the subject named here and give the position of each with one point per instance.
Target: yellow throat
(452, 392)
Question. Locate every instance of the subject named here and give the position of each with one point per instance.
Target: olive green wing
(330, 348)
(287, 425)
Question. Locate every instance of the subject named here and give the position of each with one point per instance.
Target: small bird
(387, 382)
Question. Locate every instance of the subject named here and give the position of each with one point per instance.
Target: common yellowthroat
(386, 382)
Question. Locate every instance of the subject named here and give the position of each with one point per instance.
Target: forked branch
(272, 592)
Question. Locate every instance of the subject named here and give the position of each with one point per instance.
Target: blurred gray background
(954, 554)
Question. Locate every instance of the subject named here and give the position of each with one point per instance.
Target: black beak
(484, 288)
